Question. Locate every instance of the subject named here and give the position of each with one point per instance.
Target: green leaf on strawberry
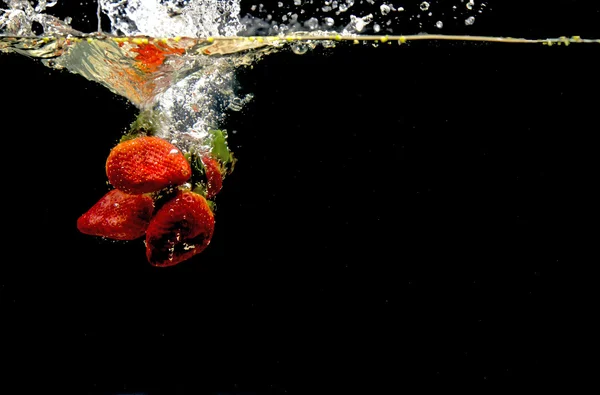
(146, 124)
(220, 149)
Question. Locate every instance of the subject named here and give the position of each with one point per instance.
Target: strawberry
(209, 169)
(118, 215)
(146, 164)
(214, 177)
(181, 228)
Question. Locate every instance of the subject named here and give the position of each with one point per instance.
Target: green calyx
(146, 124)
(198, 172)
(220, 149)
(198, 179)
(212, 205)
(220, 152)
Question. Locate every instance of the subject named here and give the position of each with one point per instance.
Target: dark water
(398, 217)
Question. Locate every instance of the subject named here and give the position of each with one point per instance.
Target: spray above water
(157, 18)
(176, 60)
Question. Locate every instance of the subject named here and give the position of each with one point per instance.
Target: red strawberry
(214, 177)
(146, 164)
(118, 215)
(180, 229)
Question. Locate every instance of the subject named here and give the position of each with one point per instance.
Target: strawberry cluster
(161, 193)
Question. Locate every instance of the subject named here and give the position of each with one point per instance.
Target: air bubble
(470, 20)
(424, 6)
(385, 9)
(439, 24)
(329, 21)
(299, 48)
(236, 104)
(470, 4)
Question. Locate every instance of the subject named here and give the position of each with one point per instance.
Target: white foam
(171, 18)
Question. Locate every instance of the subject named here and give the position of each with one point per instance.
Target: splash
(156, 18)
(176, 61)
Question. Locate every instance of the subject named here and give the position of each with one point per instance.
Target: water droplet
(312, 23)
(385, 9)
(470, 20)
(424, 6)
(439, 24)
(358, 24)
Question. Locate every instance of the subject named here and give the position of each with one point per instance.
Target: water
(406, 214)
(200, 44)
(176, 62)
(178, 59)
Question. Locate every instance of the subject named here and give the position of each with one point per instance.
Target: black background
(398, 217)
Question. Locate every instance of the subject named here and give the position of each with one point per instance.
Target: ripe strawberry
(214, 177)
(118, 215)
(182, 228)
(146, 164)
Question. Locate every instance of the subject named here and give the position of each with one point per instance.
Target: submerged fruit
(118, 215)
(160, 192)
(214, 176)
(152, 55)
(181, 228)
(146, 164)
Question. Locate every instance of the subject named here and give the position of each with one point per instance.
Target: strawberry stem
(146, 124)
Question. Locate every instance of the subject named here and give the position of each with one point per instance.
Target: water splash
(159, 18)
(176, 59)
(19, 18)
(159, 65)
(179, 58)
